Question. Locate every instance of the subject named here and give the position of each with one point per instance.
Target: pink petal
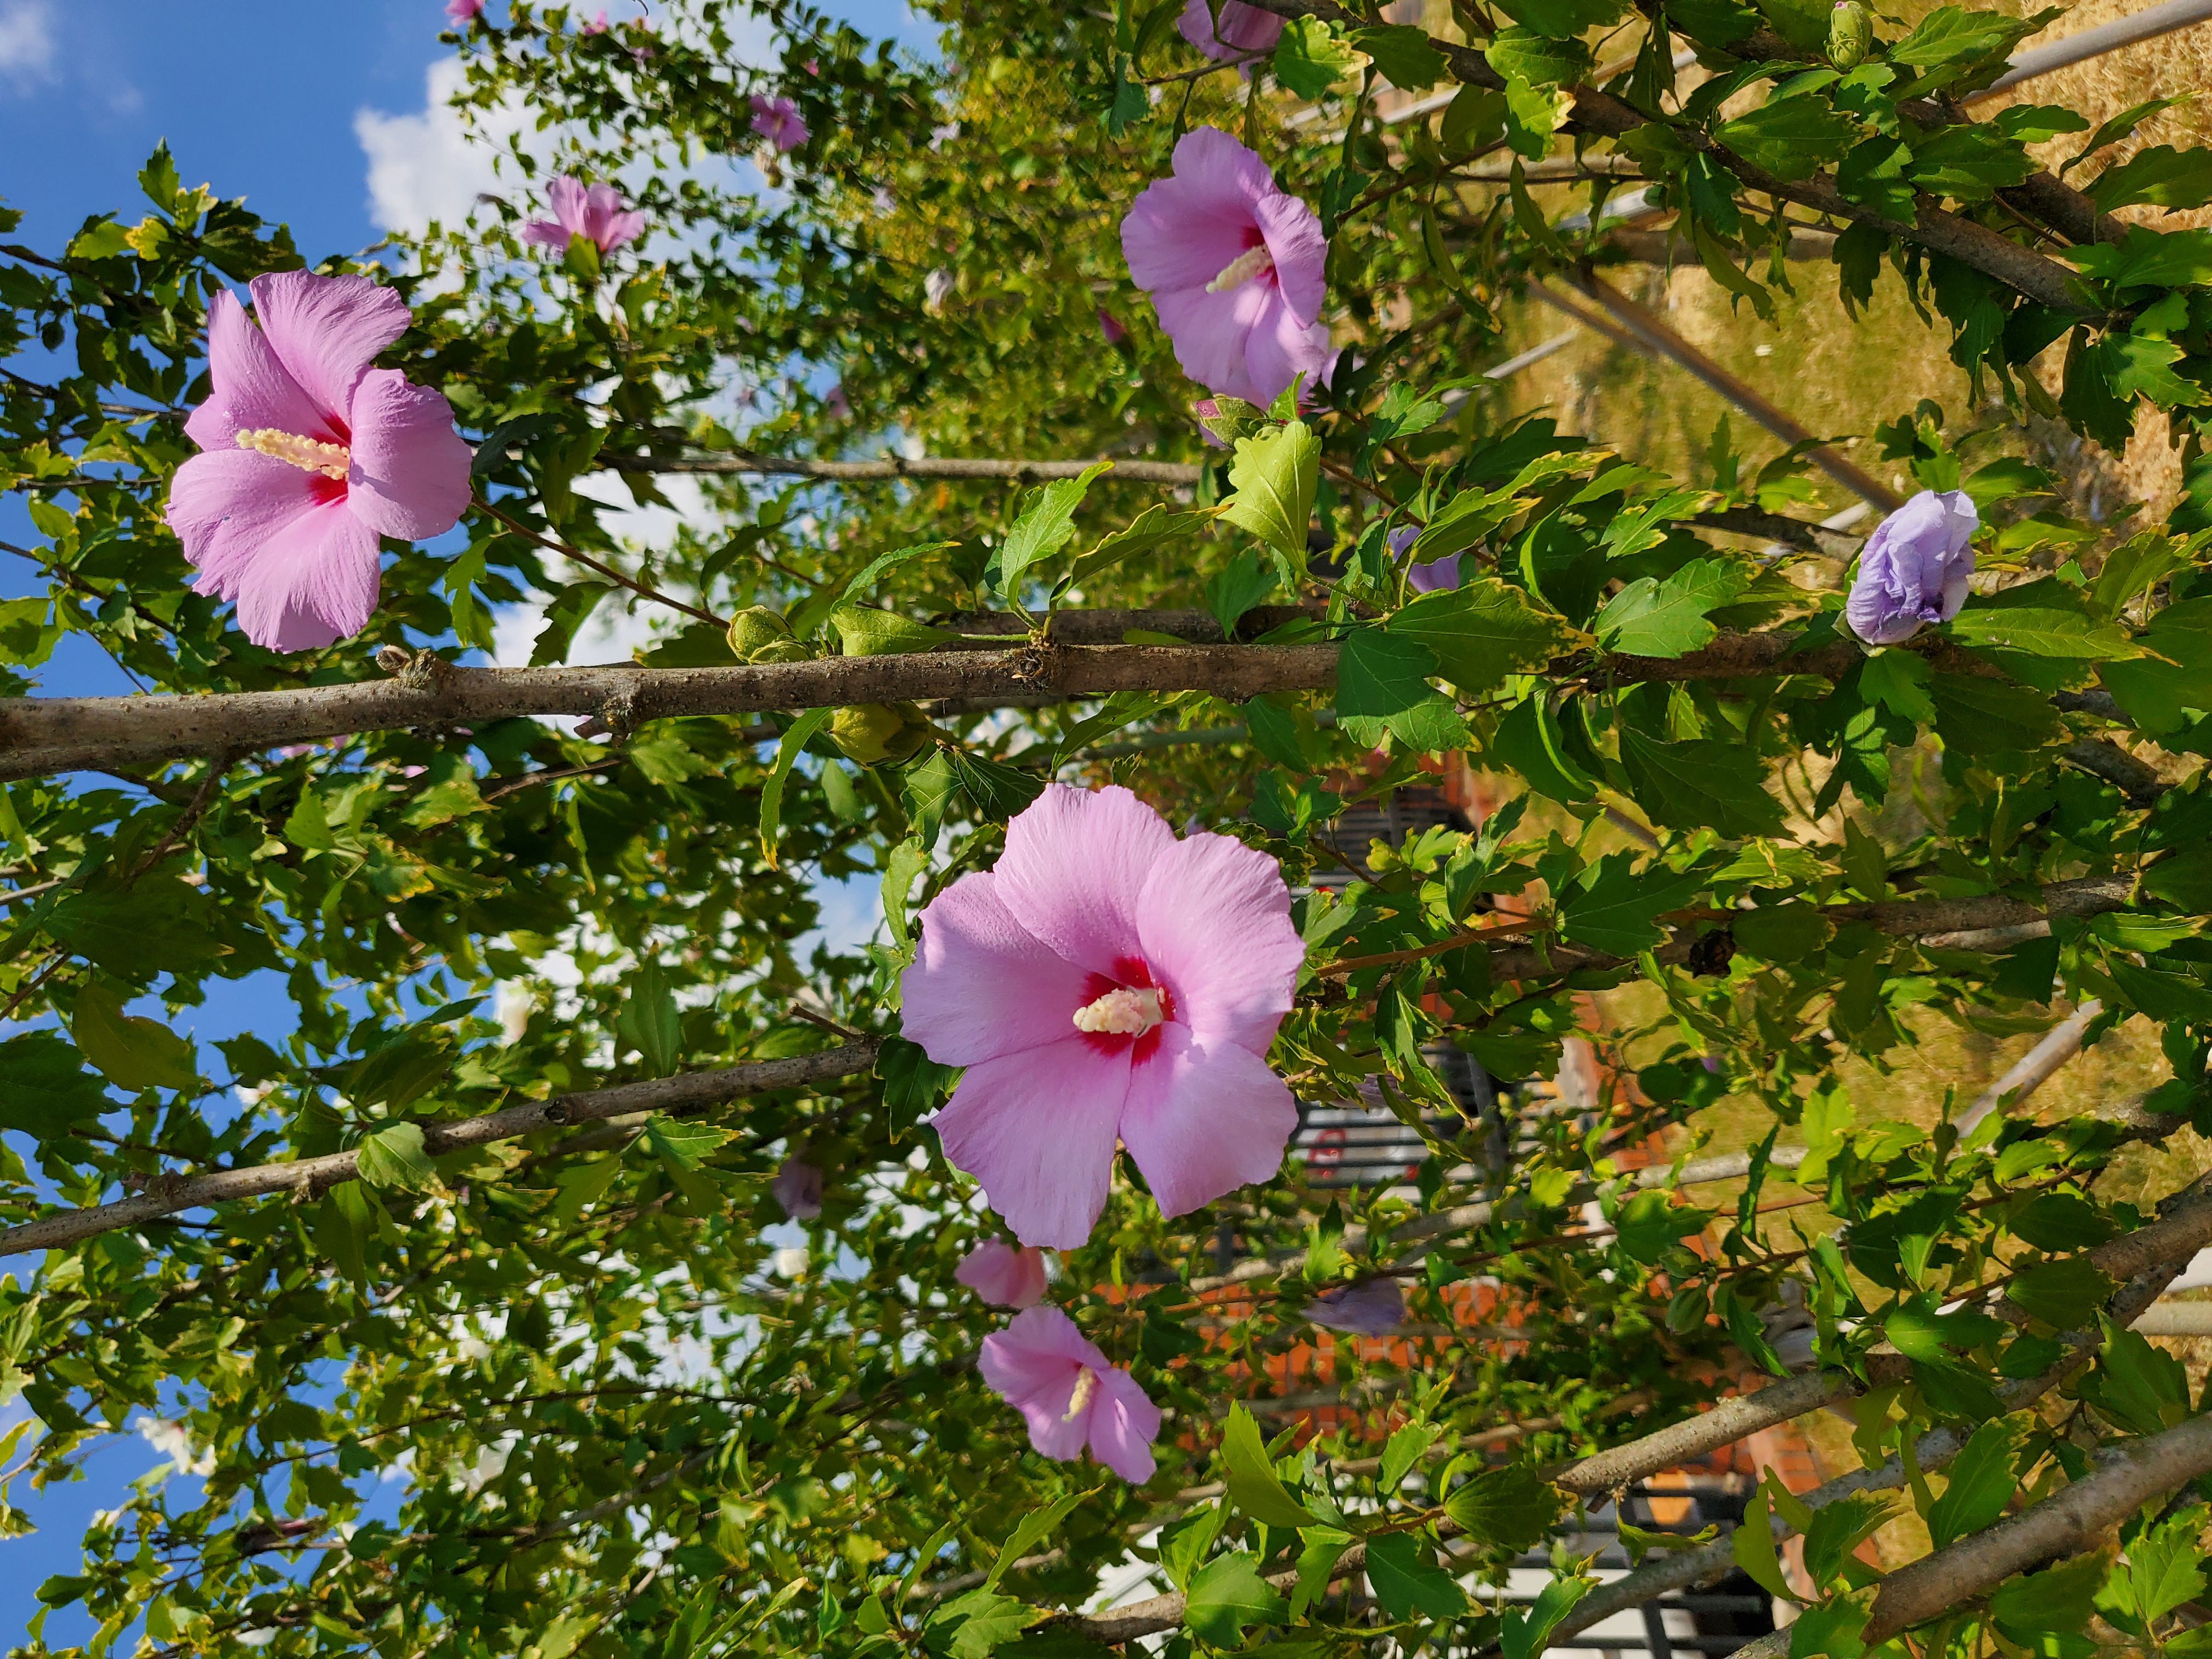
(546, 233)
(252, 389)
(1212, 333)
(1002, 1275)
(1203, 1120)
(1032, 1365)
(1183, 229)
(327, 329)
(314, 585)
(1214, 919)
(1122, 1424)
(409, 477)
(1075, 861)
(1038, 1130)
(1279, 349)
(981, 985)
(226, 505)
(1300, 250)
(623, 228)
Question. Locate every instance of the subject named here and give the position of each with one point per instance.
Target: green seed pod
(1851, 33)
(755, 628)
(872, 732)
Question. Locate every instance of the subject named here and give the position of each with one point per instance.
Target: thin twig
(606, 570)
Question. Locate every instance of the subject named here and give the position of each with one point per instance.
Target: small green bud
(783, 651)
(872, 732)
(1851, 33)
(754, 628)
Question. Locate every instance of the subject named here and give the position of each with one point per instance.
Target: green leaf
(1274, 475)
(864, 632)
(1405, 1450)
(1530, 743)
(1319, 1548)
(1970, 163)
(2155, 693)
(971, 1626)
(1840, 1527)
(1407, 1580)
(1043, 529)
(1652, 618)
(2118, 127)
(132, 1052)
(1650, 1223)
(786, 754)
(48, 1088)
(1510, 1508)
(1953, 41)
(1405, 55)
(1524, 1634)
(648, 1022)
(1236, 587)
(564, 616)
(1537, 60)
(2140, 1387)
(2057, 1600)
(1155, 526)
(1253, 1486)
(806, 617)
(1982, 1484)
(1481, 632)
(997, 791)
(686, 1145)
(1752, 1543)
(450, 792)
(393, 1155)
(1563, 20)
(1977, 715)
(1700, 783)
(1310, 57)
(2161, 176)
(101, 241)
(2063, 1294)
(1227, 1594)
(2164, 1569)
(2044, 633)
(1613, 906)
(1033, 1529)
(914, 1086)
(1380, 674)
(1792, 138)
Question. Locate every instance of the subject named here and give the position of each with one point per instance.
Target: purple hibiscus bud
(798, 1187)
(1241, 31)
(1110, 326)
(1914, 567)
(1371, 1308)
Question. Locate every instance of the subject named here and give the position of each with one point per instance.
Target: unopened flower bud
(872, 732)
(754, 628)
(1851, 33)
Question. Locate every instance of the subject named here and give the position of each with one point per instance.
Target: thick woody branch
(747, 463)
(39, 735)
(167, 1194)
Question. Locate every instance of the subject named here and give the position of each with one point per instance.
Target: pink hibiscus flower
(596, 26)
(1107, 981)
(798, 1187)
(464, 11)
(1002, 1275)
(595, 214)
(777, 120)
(311, 455)
(1236, 268)
(1241, 30)
(1045, 1368)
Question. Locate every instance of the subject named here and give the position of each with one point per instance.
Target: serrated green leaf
(865, 632)
(1226, 1596)
(393, 1155)
(1253, 1486)
(1403, 1571)
(1482, 631)
(1511, 1508)
(1274, 475)
(1043, 527)
(1654, 618)
(648, 1022)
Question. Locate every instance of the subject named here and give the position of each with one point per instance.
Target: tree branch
(167, 1194)
(749, 463)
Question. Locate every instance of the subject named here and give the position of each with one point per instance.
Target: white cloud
(26, 41)
(428, 166)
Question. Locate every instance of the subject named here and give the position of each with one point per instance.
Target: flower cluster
(1106, 985)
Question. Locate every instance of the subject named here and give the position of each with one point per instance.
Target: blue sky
(324, 116)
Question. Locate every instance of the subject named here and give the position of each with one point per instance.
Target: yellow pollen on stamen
(1086, 1385)
(331, 460)
(1252, 262)
(1121, 1011)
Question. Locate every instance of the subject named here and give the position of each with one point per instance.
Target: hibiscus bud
(755, 628)
(1914, 567)
(937, 287)
(798, 1187)
(1228, 419)
(1368, 1309)
(872, 732)
(1850, 32)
